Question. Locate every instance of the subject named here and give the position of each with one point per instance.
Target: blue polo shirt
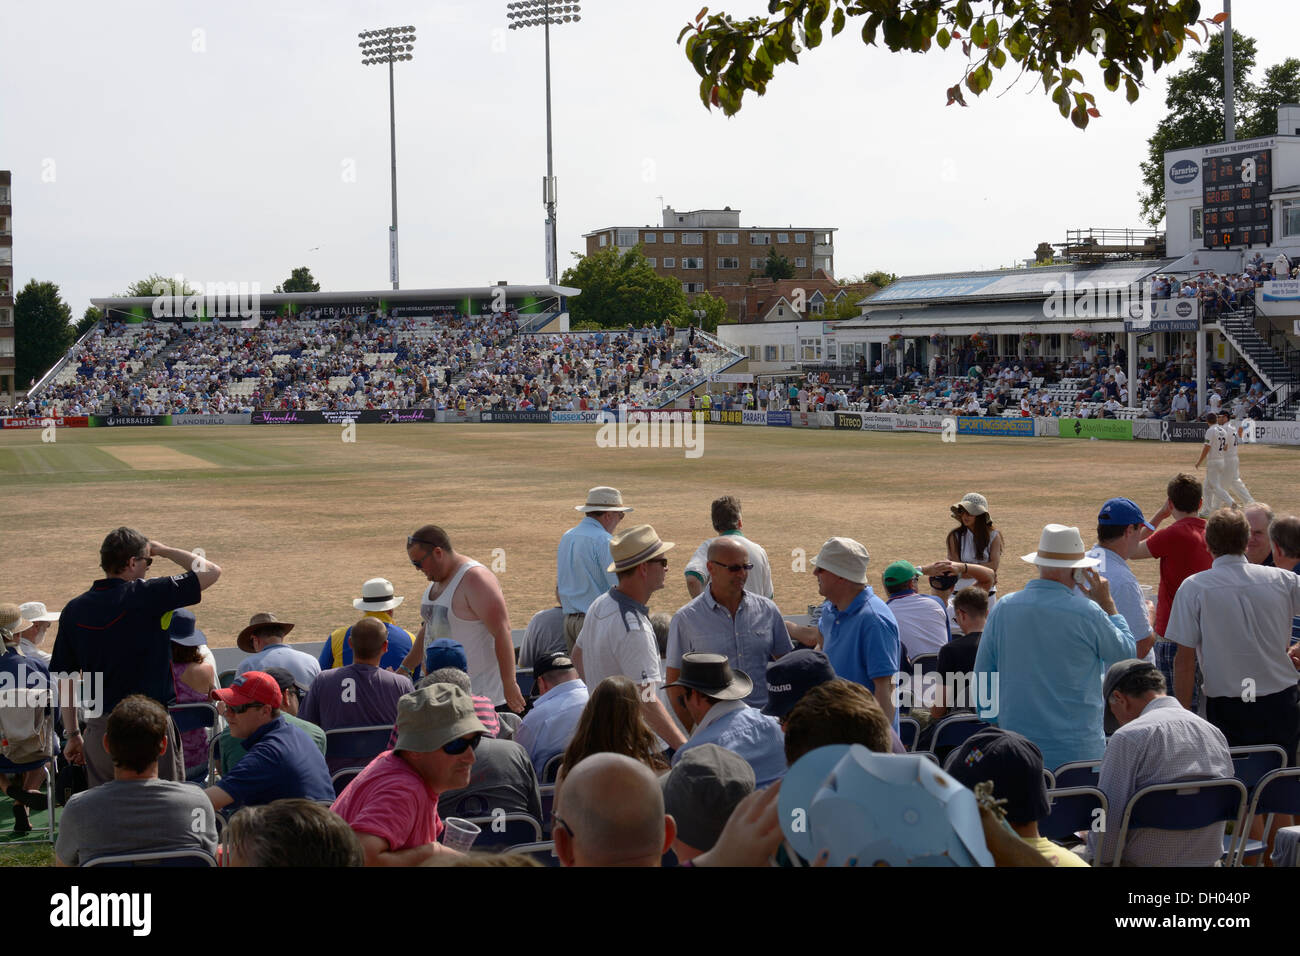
(281, 762)
(862, 641)
(115, 629)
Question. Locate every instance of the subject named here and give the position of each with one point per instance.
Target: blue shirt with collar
(862, 640)
(281, 762)
(756, 635)
(580, 564)
(1040, 665)
(549, 726)
(734, 725)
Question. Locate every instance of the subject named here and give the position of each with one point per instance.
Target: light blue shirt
(549, 726)
(303, 667)
(1127, 594)
(733, 725)
(753, 637)
(580, 564)
(1040, 665)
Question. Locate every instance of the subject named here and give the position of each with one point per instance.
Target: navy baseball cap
(1015, 766)
(789, 678)
(444, 652)
(1122, 512)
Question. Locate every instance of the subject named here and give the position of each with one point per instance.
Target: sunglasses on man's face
(733, 568)
(148, 561)
(459, 746)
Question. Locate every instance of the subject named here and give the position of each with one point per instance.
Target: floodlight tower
(543, 13)
(388, 46)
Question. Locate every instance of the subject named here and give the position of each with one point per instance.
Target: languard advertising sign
(1106, 428)
(996, 427)
(58, 421)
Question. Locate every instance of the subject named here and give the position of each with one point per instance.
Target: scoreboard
(1235, 204)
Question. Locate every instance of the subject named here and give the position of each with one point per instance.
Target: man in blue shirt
(1045, 649)
(715, 703)
(547, 728)
(281, 761)
(583, 555)
(1119, 530)
(858, 633)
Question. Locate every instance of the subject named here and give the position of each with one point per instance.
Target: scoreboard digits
(1235, 206)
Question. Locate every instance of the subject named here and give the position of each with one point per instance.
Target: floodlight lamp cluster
(535, 13)
(387, 46)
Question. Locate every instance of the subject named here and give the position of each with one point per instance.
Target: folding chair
(343, 777)
(1072, 810)
(547, 791)
(501, 831)
(358, 744)
(543, 853)
(226, 678)
(909, 728)
(1078, 773)
(1187, 805)
(524, 678)
(1252, 763)
(951, 732)
(194, 716)
(165, 858)
(929, 663)
(1276, 792)
(552, 769)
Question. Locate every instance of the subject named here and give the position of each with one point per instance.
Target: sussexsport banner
(1112, 429)
(996, 427)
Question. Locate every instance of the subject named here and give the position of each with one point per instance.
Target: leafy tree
(1039, 36)
(714, 309)
(879, 278)
(1195, 110)
(88, 320)
(845, 308)
(300, 280)
(155, 284)
(42, 330)
(622, 288)
(777, 267)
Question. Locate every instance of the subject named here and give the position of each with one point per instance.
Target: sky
(234, 142)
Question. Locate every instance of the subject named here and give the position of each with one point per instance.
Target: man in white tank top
(1213, 455)
(464, 602)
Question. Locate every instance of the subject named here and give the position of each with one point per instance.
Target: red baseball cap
(251, 687)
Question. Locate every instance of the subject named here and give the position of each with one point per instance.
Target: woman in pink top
(194, 681)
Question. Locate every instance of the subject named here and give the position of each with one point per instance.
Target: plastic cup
(459, 834)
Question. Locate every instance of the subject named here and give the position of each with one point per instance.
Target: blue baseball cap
(444, 652)
(1122, 511)
(789, 678)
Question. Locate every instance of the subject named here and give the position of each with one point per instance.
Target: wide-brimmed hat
(711, 674)
(603, 498)
(973, 503)
(1060, 546)
(182, 629)
(35, 612)
(636, 545)
(255, 623)
(12, 621)
(434, 716)
(844, 558)
(377, 595)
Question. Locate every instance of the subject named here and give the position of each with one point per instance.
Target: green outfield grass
(299, 518)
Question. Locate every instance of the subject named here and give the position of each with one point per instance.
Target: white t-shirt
(760, 578)
(1216, 439)
(922, 623)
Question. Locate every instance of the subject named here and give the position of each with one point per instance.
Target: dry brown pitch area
(298, 518)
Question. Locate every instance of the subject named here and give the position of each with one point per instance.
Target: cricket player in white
(1232, 482)
(1213, 454)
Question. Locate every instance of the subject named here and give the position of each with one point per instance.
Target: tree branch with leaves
(1042, 37)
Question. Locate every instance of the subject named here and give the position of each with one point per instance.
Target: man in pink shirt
(393, 804)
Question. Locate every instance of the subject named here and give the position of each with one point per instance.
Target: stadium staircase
(1273, 369)
(711, 363)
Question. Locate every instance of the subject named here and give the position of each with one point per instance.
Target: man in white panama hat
(617, 636)
(580, 561)
(1046, 648)
(378, 600)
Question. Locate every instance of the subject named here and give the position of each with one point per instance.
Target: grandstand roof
(386, 295)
